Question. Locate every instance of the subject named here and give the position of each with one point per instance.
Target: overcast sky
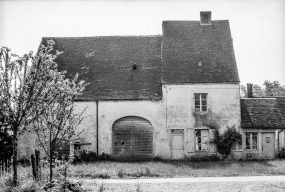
(257, 26)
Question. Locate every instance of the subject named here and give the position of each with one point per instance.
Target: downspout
(97, 127)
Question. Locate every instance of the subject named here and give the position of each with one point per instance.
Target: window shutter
(191, 141)
(212, 146)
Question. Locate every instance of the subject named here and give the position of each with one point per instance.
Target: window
(237, 146)
(201, 137)
(200, 101)
(251, 140)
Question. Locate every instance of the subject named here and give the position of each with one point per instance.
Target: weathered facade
(157, 95)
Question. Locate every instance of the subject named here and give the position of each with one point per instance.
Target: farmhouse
(162, 95)
(262, 122)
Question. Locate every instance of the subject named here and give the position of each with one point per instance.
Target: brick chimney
(249, 90)
(205, 17)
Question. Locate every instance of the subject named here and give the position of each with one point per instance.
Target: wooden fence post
(33, 166)
(38, 169)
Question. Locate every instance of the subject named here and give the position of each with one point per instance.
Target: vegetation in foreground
(171, 169)
(152, 169)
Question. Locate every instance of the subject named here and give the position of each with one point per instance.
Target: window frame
(251, 140)
(195, 140)
(237, 146)
(201, 99)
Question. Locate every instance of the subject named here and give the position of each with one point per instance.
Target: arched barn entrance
(132, 139)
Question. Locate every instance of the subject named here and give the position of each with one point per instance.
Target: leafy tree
(26, 90)
(274, 88)
(258, 91)
(270, 89)
(242, 91)
(225, 141)
(57, 125)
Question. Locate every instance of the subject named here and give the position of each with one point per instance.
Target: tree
(242, 91)
(258, 91)
(57, 125)
(270, 89)
(25, 92)
(225, 141)
(274, 88)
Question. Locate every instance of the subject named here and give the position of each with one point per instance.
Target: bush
(225, 141)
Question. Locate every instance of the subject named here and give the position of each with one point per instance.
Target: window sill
(251, 150)
(200, 112)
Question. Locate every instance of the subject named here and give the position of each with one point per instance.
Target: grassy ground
(117, 170)
(152, 169)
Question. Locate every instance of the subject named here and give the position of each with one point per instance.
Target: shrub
(120, 173)
(225, 141)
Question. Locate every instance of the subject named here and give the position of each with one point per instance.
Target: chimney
(205, 17)
(249, 90)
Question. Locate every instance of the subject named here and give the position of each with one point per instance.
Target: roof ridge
(193, 20)
(158, 35)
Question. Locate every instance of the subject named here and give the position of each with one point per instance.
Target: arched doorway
(132, 139)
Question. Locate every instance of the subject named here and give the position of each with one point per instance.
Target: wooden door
(177, 144)
(268, 145)
(132, 139)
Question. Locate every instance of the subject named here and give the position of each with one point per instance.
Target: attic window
(135, 67)
(200, 64)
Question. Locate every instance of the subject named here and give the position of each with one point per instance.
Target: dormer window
(135, 67)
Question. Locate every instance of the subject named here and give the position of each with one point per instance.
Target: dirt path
(268, 186)
(224, 184)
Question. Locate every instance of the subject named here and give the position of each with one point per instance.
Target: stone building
(156, 96)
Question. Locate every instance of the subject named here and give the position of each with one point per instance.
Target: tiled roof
(262, 113)
(185, 43)
(281, 105)
(107, 64)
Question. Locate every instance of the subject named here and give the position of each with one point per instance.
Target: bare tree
(25, 90)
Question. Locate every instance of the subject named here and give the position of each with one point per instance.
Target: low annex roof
(197, 53)
(116, 67)
(262, 113)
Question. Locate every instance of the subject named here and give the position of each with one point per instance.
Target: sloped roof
(185, 43)
(281, 105)
(261, 113)
(106, 63)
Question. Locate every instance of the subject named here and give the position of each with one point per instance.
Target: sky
(257, 26)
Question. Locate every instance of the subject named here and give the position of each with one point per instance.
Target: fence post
(33, 166)
(38, 169)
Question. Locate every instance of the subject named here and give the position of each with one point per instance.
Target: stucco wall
(27, 144)
(173, 111)
(153, 111)
(223, 108)
(223, 102)
(88, 125)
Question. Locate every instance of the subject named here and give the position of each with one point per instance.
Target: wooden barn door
(132, 139)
